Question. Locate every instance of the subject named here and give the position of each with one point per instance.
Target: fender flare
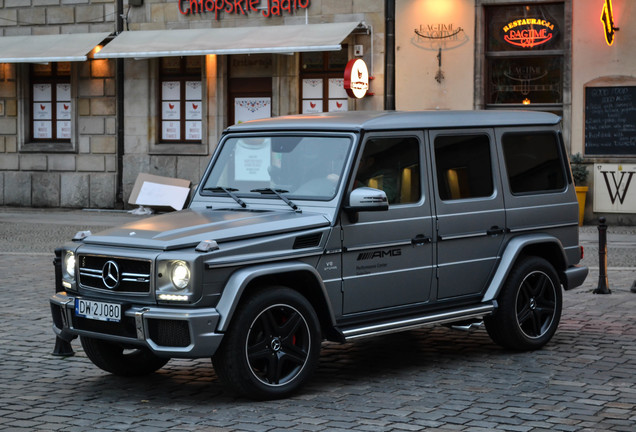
(239, 280)
(513, 249)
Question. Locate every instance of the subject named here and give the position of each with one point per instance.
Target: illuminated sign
(268, 8)
(529, 32)
(607, 18)
(356, 78)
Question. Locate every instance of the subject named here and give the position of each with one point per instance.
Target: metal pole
(603, 285)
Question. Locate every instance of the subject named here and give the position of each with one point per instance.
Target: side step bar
(354, 333)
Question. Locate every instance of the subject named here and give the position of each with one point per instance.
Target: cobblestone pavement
(434, 379)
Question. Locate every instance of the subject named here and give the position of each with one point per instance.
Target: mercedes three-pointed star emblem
(110, 275)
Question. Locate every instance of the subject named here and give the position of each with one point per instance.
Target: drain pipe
(389, 53)
(119, 80)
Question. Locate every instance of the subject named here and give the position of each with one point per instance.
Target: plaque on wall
(610, 120)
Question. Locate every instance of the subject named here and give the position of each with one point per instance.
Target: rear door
(387, 255)
(470, 209)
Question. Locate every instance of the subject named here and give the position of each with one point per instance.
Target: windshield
(300, 167)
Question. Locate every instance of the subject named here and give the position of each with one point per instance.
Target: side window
(463, 166)
(392, 165)
(533, 162)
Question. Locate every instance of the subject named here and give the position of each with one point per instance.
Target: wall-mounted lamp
(526, 101)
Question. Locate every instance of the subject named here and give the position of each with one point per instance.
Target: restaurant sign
(267, 8)
(529, 32)
(356, 78)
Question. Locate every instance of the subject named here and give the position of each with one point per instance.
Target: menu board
(610, 120)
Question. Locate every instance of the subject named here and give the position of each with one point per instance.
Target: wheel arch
(298, 276)
(541, 245)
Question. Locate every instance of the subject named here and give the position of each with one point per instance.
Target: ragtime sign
(268, 8)
(528, 32)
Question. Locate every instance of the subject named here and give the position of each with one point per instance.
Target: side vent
(307, 241)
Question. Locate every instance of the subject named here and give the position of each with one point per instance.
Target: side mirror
(367, 199)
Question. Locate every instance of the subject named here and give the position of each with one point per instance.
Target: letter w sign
(614, 191)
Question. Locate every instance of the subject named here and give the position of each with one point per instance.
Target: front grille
(169, 333)
(114, 274)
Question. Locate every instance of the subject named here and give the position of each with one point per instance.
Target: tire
(272, 346)
(530, 305)
(118, 360)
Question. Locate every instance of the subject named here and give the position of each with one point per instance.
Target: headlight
(69, 264)
(180, 275)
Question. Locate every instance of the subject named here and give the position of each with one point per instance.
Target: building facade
(573, 58)
(93, 92)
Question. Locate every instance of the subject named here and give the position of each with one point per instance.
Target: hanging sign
(529, 32)
(607, 18)
(356, 78)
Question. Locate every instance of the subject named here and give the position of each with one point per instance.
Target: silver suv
(337, 227)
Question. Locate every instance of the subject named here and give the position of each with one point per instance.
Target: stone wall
(44, 177)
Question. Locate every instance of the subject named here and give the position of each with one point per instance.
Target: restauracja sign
(241, 7)
(528, 32)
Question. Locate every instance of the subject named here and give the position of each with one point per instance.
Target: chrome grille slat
(134, 274)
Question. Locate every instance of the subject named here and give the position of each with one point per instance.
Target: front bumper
(166, 331)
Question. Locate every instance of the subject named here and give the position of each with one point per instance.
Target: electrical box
(358, 50)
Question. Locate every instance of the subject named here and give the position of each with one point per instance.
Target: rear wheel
(272, 346)
(530, 306)
(120, 360)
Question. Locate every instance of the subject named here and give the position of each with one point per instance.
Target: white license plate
(98, 310)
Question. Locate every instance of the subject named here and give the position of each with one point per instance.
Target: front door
(470, 210)
(387, 255)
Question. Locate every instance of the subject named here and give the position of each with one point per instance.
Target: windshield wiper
(229, 192)
(279, 193)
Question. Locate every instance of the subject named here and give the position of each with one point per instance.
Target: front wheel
(272, 346)
(119, 360)
(530, 306)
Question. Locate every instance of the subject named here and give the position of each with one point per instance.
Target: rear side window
(463, 166)
(533, 162)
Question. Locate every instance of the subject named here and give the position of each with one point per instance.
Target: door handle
(420, 240)
(495, 230)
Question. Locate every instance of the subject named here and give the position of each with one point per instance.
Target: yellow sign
(607, 18)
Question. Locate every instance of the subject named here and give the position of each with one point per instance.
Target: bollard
(62, 348)
(603, 285)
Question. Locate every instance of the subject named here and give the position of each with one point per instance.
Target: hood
(187, 228)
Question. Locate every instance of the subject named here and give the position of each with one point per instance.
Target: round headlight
(180, 275)
(69, 264)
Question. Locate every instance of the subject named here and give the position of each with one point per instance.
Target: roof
(393, 120)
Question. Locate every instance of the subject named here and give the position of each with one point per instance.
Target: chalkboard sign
(610, 120)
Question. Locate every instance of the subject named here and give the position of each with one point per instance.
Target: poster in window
(63, 111)
(193, 90)
(336, 88)
(170, 111)
(170, 130)
(253, 108)
(170, 90)
(312, 88)
(42, 111)
(312, 106)
(193, 110)
(64, 130)
(63, 92)
(338, 105)
(252, 160)
(193, 130)
(41, 92)
(42, 130)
